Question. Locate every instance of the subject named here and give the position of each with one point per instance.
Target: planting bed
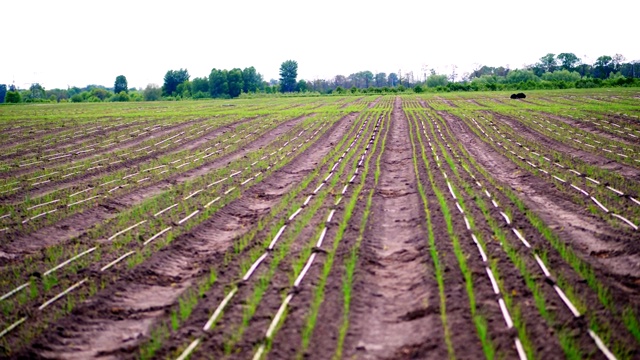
(452, 226)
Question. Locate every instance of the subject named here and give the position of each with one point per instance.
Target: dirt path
(393, 316)
(141, 298)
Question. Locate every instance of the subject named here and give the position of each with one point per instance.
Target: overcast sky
(76, 43)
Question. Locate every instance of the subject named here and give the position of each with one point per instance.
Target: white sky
(81, 42)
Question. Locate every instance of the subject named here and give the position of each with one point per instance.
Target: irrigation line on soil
(547, 274)
(252, 269)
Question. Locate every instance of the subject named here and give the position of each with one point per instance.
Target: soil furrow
(587, 157)
(587, 235)
(155, 285)
(79, 223)
(394, 311)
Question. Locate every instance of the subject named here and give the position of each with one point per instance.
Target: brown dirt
(587, 157)
(395, 306)
(590, 127)
(120, 146)
(587, 234)
(145, 294)
(79, 223)
(85, 180)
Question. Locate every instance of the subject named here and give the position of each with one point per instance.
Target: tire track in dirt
(587, 157)
(116, 320)
(395, 299)
(79, 223)
(612, 252)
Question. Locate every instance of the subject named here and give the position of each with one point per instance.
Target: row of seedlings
(515, 235)
(126, 233)
(537, 251)
(55, 201)
(241, 245)
(315, 298)
(85, 162)
(318, 251)
(470, 265)
(586, 140)
(280, 245)
(554, 165)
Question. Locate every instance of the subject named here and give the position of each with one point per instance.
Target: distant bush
(13, 97)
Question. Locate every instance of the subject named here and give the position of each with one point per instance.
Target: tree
(100, 93)
(437, 80)
(392, 79)
(288, 75)
(121, 96)
(568, 61)
(152, 92)
(561, 75)
(36, 91)
(218, 86)
(234, 78)
(617, 61)
(3, 92)
(302, 86)
(603, 66)
(517, 76)
(13, 97)
(200, 85)
(120, 84)
(381, 79)
(172, 79)
(548, 62)
(251, 79)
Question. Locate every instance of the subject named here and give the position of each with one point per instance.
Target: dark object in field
(518, 96)
(514, 96)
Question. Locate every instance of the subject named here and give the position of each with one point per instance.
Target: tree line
(565, 70)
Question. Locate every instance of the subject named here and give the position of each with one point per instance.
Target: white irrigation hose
(330, 215)
(521, 353)
(68, 261)
(295, 214)
(304, 271)
(85, 200)
(189, 349)
(494, 283)
(566, 300)
(505, 313)
(164, 210)
(57, 297)
(254, 266)
(219, 310)
(608, 354)
(7, 295)
(275, 238)
(192, 194)
(276, 319)
(12, 326)
(188, 217)
(542, 266)
(114, 262)
(519, 235)
(125, 230)
(156, 236)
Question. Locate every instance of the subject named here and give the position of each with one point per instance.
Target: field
(460, 225)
